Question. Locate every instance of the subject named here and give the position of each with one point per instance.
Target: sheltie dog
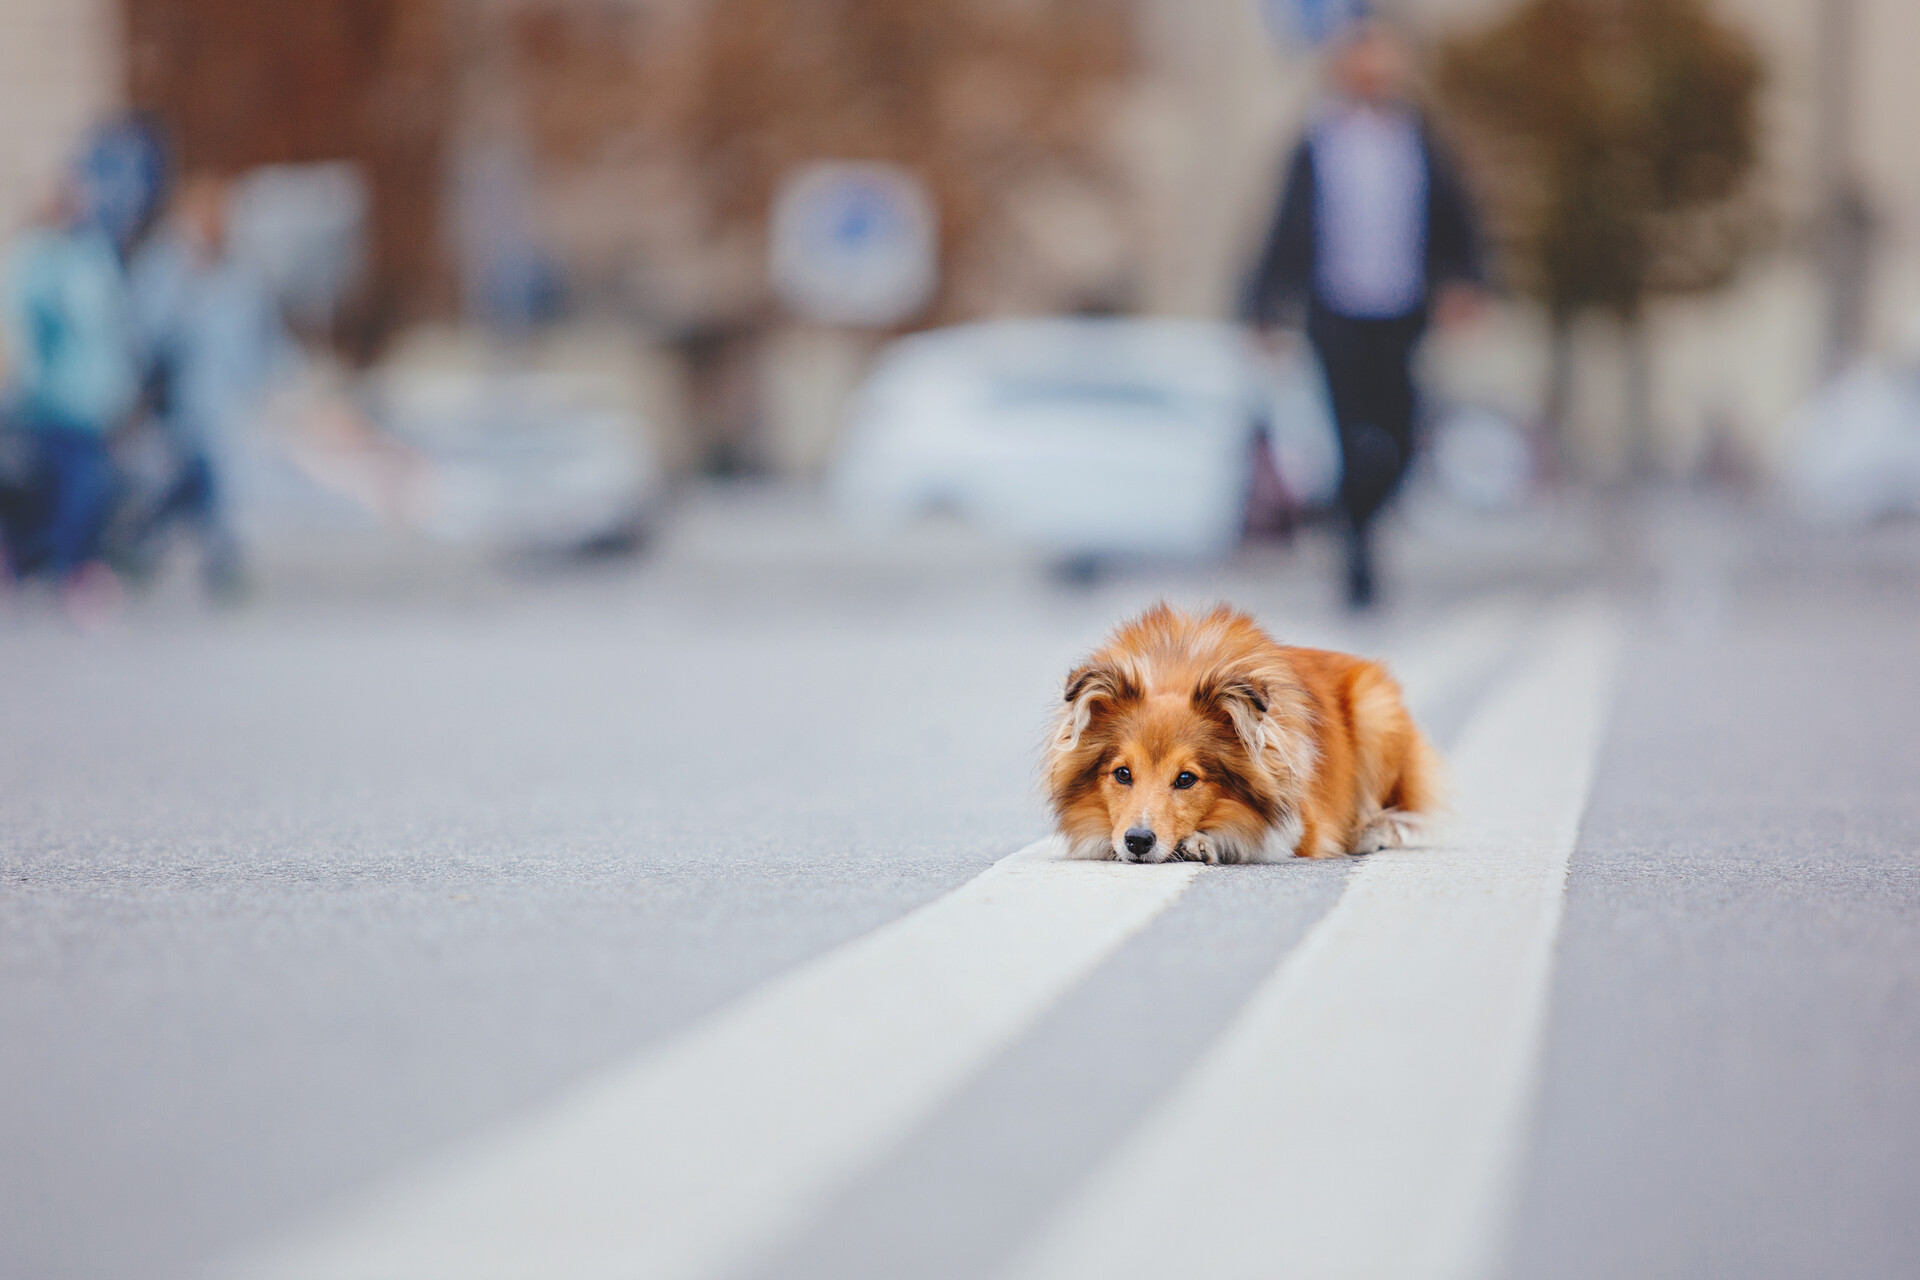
(1201, 739)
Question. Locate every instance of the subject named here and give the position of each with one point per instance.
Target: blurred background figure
(1372, 227)
(210, 337)
(76, 376)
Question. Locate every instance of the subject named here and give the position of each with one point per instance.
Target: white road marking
(1454, 653)
(696, 1156)
(1365, 1115)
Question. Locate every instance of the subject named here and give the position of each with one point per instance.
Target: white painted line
(697, 1156)
(1365, 1114)
(1444, 658)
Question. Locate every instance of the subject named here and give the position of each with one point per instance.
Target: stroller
(148, 503)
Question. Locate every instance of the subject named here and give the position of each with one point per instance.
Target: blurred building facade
(60, 67)
(611, 162)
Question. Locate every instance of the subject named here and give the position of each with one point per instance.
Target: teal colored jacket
(68, 331)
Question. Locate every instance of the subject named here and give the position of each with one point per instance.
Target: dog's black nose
(1139, 842)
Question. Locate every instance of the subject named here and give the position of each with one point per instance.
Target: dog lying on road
(1202, 739)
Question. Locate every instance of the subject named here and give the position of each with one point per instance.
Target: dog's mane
(1230, 671)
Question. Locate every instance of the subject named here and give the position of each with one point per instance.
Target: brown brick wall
(243, 83)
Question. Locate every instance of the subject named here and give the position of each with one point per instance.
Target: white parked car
(1856, 452)
(521, 460)
(1082, 437)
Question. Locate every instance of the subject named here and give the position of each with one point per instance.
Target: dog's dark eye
(1184, 781)
(1123, 776)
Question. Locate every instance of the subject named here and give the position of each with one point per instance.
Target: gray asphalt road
(1732, 1075)
(293, 899)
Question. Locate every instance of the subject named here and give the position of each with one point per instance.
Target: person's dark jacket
(1284, 280)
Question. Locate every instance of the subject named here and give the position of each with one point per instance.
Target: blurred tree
(1615, 139)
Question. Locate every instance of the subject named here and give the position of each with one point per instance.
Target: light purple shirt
(1370, 214)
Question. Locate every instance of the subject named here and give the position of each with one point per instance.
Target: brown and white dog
(1201, 739)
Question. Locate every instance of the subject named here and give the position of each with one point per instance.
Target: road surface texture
(692, 919)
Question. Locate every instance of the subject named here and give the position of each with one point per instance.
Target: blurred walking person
(211, 339)
(76, 377)
(1373, 233)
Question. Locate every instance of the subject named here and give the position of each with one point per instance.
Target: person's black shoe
(1359, 571)
(1359, 588)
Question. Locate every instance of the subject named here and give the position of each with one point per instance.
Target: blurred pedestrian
(211, 339)
(1374, 234)
(75, 374)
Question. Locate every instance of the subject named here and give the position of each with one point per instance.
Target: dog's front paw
(1390, 829)
(1201, 847)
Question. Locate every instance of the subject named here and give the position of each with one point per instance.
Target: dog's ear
(1239, 697)
(1093, 690)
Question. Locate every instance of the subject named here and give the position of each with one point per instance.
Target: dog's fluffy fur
(1225, 746)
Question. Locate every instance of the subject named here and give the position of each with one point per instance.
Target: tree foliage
(1616, 139)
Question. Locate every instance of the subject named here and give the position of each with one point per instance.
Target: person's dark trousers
(1369, 369)
(193, 499)
(79, 496)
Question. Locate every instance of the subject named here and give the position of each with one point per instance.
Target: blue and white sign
(1311, 22)
(854, 243)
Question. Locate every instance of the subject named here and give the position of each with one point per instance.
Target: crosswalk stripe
(693, 1157)
(698, 1156)
(1450, 659)
(1365, 1115)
